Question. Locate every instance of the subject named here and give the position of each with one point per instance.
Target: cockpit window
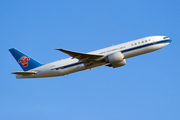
(165, 37)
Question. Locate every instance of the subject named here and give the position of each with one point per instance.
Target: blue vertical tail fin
(26, 62)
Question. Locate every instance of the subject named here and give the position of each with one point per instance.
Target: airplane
(114, 56)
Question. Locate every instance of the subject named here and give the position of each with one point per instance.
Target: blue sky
(147, 88)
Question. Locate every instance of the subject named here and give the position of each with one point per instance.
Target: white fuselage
(129, 49)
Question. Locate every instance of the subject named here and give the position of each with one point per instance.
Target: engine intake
(116, 59)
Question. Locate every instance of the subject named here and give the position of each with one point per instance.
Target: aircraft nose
(170, 40)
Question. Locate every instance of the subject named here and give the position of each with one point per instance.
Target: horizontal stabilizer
(25, 73)
(82, 56)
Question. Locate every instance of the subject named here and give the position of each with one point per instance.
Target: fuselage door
(154, 41)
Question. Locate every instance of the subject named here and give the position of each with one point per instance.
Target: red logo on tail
(24, 61)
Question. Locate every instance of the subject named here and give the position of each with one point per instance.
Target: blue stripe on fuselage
(146, 45)
(66, 66)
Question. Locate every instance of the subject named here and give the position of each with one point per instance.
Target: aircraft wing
(82, 56)
(25, 73)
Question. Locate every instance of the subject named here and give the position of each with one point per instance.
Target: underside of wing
(83, 56)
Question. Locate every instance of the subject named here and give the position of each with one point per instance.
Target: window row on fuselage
(140, 42)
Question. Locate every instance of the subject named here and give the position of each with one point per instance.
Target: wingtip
(58, 49)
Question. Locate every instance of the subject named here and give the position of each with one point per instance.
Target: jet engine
(116, 59)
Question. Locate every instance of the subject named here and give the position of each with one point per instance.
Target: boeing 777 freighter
(114, 56)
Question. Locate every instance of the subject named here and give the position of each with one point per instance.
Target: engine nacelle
(116, 59)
